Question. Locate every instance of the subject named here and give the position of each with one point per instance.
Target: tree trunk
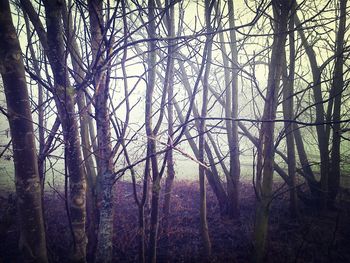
(235, 170)
(32, 243)
(64, 98)
(151, 143)
(41, 125)
(338, 85)
(231, 110)
(288, 114)
(169, 82)
(320, 113)
(265, 163)
(304, 161)
(212, 174)
(141, 234)
(105, 158)
(91, 199)
(201, 139)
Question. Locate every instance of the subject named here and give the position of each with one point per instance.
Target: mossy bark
(105, 177)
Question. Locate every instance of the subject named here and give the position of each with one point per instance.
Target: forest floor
(313, 237)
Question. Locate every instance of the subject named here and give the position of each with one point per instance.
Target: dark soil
(313, 237)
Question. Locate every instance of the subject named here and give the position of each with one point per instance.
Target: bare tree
(105, 157)
(201, 134)
(28, 187)
(86, 132)
(151, 142)
(169, 83)
(281, 10)
(53, 44)
(336, 95)
(231, 112)
(288, 114)
(320, 113)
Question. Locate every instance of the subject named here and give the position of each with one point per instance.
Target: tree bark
(231, 111)
(41, 125)
(169, 82)
(265, 163)
(151, 143)
(91, 199)
(105, 158)
(322, 137)
(288, 114)
(32, 243)
(235, 170)
(304, 161)
(201, 139)
(338, 85)
(64, 98)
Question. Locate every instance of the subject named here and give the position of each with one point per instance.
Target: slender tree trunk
(91, 200)
(154, 223)
(141, 207)
(32, 243)
(151, 143)
(140, 204)
(266, 149)
(288, 114)
(303, 159)
(231, 109)
(255, 141)
(41, 125)
(105, 157)
(235, 170)
(338, 85)
(212, 174)
(141, 234)
(64, 98)
(169, 81)
(92, 133)
(201, 139)
(322, 137)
